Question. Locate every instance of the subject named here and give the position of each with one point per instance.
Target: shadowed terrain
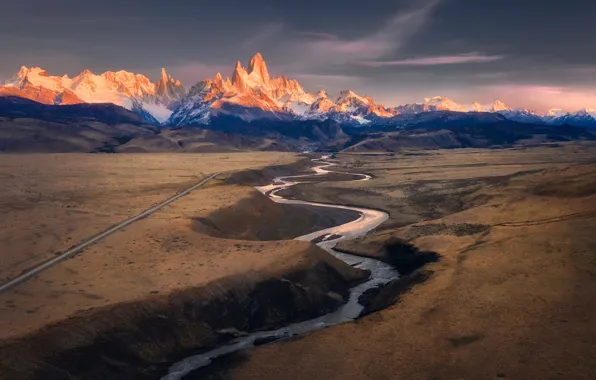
(206, 268)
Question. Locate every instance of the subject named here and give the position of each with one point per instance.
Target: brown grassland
(511, 296)
(216, 249)
(50, 202)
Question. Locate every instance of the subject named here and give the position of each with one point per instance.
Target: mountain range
(250, 95)
(153, 101)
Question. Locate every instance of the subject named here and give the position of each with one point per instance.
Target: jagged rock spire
(239, 76)
(257, 68)
(218, 79)
(168, 89)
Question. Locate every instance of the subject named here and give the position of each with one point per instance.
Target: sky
(534, 54)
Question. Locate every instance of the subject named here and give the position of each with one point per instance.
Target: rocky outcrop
(409, 261)
(169, 90)
(258, 69)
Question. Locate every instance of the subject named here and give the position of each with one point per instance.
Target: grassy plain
(50, 202)
(510, 298)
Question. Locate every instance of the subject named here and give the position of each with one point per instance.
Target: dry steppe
(195, 271)
(510, 298)
(419, 185)
(512, 295)
(50, 202)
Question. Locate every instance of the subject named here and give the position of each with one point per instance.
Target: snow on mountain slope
(168, 89)
(36, 84)
(499, 106)
(320, 108)
(195, 107)
(415, 108)
(350, 106)
(348, 101)
(523, 115)
(159, 111)
(111, 87)
(585, 117)
(249, 94)
(442, 103)
(556, 112)
(587, 112)
(38, 77)
(131, 91)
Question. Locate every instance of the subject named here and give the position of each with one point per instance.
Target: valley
(512, 285)
(122, 112)
(262, 190)
(208, 269)
(221, 246)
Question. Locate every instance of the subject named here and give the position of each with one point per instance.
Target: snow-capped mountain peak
(583, 117)
(257, 70)
(164, 75)
(239, 77)
(36, 76)
(129, 90)
(444, 103)
(350, 99)
(586, 112)
(249, 94)
(556, 112)
(253, 78)
(253, 93)
(22, 72)
(168, 89)
(112, 87)
(500, 106)
(218, 80)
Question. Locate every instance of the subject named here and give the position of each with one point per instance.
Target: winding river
(381, 273)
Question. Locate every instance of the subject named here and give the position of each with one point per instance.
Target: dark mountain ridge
(28, 126)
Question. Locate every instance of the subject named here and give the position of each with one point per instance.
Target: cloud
(319, 35)
(582, 69)
(332, 77)
(263, 36)
(434, 61)
(312, 51)
(389, 38)
(542, 97)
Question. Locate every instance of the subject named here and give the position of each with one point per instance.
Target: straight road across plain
(81, 246)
